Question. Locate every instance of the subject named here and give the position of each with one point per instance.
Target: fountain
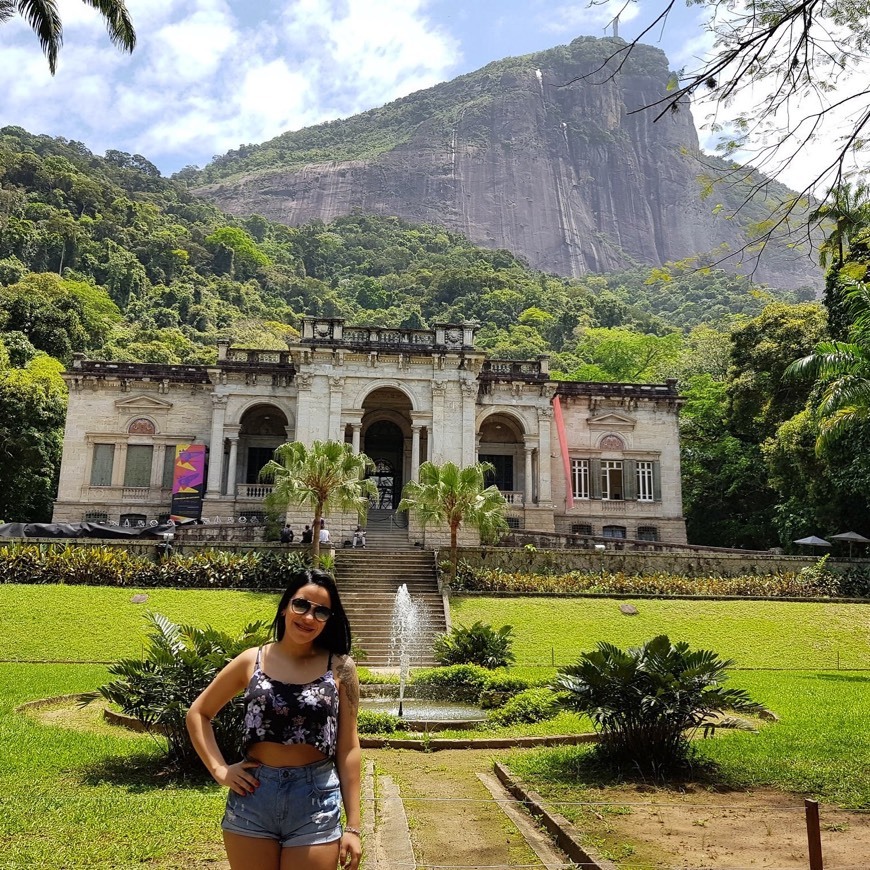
(408, 632)
(410, 640)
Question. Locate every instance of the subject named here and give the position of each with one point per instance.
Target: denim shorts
(298, 806)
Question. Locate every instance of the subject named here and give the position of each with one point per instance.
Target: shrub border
(507, 593)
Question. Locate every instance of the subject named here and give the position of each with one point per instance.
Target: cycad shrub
(178, 663)
(532, 705)
(648, 702)
(480, 644)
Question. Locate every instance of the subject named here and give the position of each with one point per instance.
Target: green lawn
(99, 623)
(820, 747)
(89, 798)
(756, 634)
(72, 797)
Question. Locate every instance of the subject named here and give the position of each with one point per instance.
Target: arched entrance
(501, 444)
(386, 439)
(262, 429)
(385, 444)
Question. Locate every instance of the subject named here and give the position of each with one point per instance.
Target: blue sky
(208, 75)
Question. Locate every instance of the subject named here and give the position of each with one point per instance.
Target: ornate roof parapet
(666, 392)
(530, 371)
(134, 371)
(333, 332)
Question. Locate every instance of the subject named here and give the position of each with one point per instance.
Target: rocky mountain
(541, 154)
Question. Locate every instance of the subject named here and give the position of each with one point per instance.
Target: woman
(301, 748)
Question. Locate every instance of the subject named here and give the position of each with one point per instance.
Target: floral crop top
(291, 713)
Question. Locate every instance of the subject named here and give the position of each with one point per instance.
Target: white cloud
(208, 75)
(585, 18)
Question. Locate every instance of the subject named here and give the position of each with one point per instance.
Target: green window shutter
(168, 466)
(657, 480)
(101, 468)
(595, 478)
(138, 470)
(629, 480)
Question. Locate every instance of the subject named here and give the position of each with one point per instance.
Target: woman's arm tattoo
(349, 681)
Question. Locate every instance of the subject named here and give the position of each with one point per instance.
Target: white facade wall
(440, 397)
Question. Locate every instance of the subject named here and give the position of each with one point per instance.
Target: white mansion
(573, 458)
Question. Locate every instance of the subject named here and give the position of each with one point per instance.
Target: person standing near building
(301, 751)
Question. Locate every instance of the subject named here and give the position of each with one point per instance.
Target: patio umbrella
(852, 538)
(813, 541)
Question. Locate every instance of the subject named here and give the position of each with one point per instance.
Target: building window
(647, 533)
(138, 470)
(101, 467)
(645, 488)
(614, 532)
(168, 466)
(581, 529)
(135, 520)
(96, 517)
(580, 477)
(611, 479)
(513, 522)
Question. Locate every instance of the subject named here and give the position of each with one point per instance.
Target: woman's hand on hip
(350, 851)
(237, 777)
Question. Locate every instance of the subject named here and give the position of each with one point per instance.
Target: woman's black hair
(335, 636)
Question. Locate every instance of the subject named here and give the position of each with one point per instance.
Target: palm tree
(452, 496)
(844, 369)
(845, 216)
(43, 17)
(327, 476)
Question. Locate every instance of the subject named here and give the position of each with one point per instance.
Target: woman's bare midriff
(281, 755)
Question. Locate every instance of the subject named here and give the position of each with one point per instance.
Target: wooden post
(814, 838)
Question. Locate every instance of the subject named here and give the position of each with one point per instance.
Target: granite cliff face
(515, 157)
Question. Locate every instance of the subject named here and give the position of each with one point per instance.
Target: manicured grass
(77, 798)
(820, 746)
(756, 634)
(98, 623)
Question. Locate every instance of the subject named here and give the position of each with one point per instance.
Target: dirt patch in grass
(697, 828)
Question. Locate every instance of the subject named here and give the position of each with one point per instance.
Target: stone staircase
(368, 581)
(384, 531)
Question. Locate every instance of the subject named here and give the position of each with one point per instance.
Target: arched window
(142, 426)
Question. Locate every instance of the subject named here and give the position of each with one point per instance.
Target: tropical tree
(43, 17)
(844, 214)
(326, 476)
(647, 702)
(843, 367)
(453, 496)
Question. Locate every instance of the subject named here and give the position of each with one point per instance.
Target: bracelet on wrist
(349, 830)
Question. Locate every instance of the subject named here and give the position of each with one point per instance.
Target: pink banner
(563, 449)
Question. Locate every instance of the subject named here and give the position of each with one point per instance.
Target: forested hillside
(101, 255)
(548, 154)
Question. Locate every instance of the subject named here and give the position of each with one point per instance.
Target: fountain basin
(423, 714)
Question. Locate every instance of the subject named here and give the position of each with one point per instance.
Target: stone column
(232, 464)
(216, 447)
(545, 490)
(304, 407)
(529, 488)
(436, 432)
(357, 436)
(415, 451)
(469, 422)
(335, 431)
(119, 463)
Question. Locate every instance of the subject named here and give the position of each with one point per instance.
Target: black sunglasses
(303, 605)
